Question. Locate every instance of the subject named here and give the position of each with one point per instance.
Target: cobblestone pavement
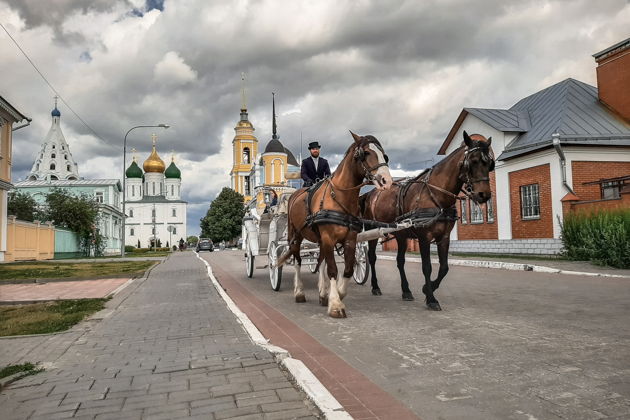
(166, 347)
(508, 345)
(59, 290)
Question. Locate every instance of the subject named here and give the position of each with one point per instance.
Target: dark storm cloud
(400, 70)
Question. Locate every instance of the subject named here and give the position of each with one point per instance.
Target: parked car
(205, 245)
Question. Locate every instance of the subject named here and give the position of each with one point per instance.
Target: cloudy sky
(400, 70)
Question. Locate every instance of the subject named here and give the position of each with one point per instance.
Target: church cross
(154, 138)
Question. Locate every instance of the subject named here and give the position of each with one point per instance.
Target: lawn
(57, 269)
(49, 317)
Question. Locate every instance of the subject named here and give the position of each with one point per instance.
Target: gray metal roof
(570, 108)
(502, 119)
(618, 45)
(67, 183)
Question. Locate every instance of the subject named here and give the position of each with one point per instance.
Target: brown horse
(430, 197)
(329, 216)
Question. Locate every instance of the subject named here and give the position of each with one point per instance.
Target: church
(276, 169)
(155, 211)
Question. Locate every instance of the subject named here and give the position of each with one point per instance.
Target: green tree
(22, 206)
(192, 240)
(224, 217)
(80, 214)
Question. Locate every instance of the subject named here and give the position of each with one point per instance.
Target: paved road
(508, 345)
(167, 348)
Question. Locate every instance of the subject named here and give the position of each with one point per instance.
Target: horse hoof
(376, 292)
(434, 306)
(408, 296)
(338, 313)
(323, 301)
(300, 299)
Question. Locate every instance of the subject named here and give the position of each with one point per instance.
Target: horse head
(372, 161)
(476, 166)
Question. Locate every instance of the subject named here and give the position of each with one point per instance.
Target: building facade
(156, 214)
(565, 147)
(8, 117)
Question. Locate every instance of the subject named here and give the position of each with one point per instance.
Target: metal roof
(17, 115)
(618, 45)
(572, 109)
(502, 119)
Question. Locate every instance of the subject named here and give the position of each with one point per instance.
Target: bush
(129, 248)
(602, 237)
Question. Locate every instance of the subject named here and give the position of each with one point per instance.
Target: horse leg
(298, 286)
(349, 258)
(376, 291)
(442, 248)
(336, 308)
(401, 241)
(323, 284)
(425, 252)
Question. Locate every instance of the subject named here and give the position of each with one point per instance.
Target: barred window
(464, 212)
(476, 214)
(530, 202)
(490, 210)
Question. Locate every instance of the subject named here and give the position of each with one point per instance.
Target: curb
(5, 382)
(302, 375)
(511, 266)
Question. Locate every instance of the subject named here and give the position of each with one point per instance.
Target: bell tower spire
(274, 126)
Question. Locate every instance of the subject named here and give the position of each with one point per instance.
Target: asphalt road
(508, 344)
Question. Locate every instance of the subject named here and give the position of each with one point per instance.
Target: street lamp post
(124, 191)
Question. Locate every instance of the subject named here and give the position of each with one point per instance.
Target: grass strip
(48, 317)
(27, 368)
(58, 269)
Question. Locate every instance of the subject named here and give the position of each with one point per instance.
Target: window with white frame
(530, 201)
(611, 189)
(476, 214)
(490, 211)
(99, 197)
(464, 212)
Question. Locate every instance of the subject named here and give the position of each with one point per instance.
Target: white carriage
(265, 233)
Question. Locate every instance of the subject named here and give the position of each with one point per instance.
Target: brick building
(563, 148)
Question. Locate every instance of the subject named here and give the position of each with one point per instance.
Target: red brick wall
(613, 82)
(485, 230)
(533, 228)
(593, 171)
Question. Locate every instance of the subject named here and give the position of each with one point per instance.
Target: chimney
(613, 78)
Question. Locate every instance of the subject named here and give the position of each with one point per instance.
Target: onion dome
(55, 112)
(133, 171)
(154, 163)
(173, 171)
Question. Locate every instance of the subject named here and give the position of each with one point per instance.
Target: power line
(53, 88)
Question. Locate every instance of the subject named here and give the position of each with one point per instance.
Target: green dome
(173, 171)
(133, 171)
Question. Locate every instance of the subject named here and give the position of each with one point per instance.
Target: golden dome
(154, 163)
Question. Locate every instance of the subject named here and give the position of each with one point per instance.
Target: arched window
(65, 157)
(53, 146)
(52, 156)
(152, 212)
(54, 178)
(37, 167)
(174, 212)
(246, 155)
(172, 189)
(68, 168)
(153, 188)
(52, 166)
(131, 232)
(130, 212)
(133, 190)
(32, 178)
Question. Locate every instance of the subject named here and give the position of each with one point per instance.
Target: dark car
(205, 245)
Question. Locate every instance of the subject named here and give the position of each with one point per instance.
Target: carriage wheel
(361, 267)
(275, 272)
(249, 263)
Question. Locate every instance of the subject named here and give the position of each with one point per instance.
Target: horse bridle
(465, 166)
(359, 154)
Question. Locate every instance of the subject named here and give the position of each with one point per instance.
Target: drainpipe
(26, 124)
(563, 163)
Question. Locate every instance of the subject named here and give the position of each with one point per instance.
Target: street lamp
(164, 126)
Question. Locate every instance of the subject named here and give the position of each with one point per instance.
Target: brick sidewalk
(59, 290)
(167, 347)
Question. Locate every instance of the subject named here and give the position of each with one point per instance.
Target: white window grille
(476, 214)
(530, 202)
(99, 197)
(490, 210)
(464, 212)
